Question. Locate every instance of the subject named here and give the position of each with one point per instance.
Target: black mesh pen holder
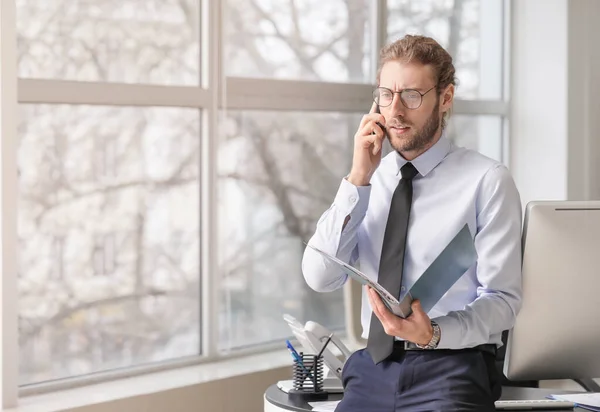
(308, 378)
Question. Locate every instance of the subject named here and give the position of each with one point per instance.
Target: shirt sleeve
(331, 236)
(498, 245)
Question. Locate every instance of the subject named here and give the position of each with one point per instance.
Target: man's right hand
(367, 148)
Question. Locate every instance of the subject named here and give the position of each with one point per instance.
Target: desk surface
(278, 398)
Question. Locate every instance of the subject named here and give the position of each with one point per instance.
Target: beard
(420, 137)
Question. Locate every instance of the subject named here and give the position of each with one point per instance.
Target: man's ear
(447, 98)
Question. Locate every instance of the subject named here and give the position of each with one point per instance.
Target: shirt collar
(425, 162)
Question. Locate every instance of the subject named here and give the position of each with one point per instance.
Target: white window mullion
(293, 95)
(113, 94)
(507, 52)
(212, 75)
(379, 30)
(8, 171)
(490, 74)
(480, 107)
(352, 293)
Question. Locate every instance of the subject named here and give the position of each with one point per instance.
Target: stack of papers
(328, 406)
(330, 385)
(589, 401)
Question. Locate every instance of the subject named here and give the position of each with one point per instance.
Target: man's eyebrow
(414, 87)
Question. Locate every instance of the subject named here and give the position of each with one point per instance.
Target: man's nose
(397, 109)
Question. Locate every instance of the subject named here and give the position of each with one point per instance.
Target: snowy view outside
(109, 203)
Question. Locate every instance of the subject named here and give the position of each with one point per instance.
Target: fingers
(417, 310)
(375, 305)
(381, 311)
(378, 139)
(392, 325)
(372, 127)
(374, 108)
(372, 134)
(375, 117)
(418, 315)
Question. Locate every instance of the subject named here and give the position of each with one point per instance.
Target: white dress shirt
(454, 186)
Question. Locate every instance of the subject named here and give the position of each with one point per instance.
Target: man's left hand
(416, 328)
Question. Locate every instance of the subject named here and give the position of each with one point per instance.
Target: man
(395, 215)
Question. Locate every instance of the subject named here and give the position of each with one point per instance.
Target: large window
(109, 195)
(279, 167)
(174, 155)
(109, 237)
(278, 172)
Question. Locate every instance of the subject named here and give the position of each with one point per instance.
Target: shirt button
(402, 288)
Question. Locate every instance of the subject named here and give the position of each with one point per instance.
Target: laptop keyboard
(534, 404)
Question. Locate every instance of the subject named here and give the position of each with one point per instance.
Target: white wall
(242, 392)
(555, 112)
(539, 99)
(584, 100)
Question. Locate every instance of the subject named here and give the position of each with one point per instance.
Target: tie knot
(408, 171)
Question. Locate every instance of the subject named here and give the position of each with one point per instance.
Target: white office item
(590, 401)
(330, 385)
(456, 258)
(328, 406)
(545, 404)
(312, 336)
(556, 333)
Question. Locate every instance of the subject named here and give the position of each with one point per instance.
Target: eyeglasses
(410, 98)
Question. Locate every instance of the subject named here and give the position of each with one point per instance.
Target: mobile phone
(380, 125)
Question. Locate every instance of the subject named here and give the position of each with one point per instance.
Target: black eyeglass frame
(400, 93)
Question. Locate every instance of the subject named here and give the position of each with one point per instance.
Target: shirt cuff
(352, 200)
(450, 332)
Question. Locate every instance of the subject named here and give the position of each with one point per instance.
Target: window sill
(152, 383)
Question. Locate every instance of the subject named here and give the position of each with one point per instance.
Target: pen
(297, 357)
(325, 345)
(292, 349)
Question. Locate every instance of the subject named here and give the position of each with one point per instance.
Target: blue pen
(297, 357)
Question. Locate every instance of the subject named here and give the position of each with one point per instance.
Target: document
(330, 385)
(327, 406)
(590, 401)
(456, 258)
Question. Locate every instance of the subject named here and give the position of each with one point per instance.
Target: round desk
(277, 401)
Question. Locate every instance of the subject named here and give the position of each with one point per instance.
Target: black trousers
(437, 380)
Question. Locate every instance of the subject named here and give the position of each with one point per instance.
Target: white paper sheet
(328, 406)
(590, 400)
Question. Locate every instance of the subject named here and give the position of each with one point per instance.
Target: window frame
(214, 95)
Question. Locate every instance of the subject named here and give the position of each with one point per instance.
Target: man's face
(411, 130)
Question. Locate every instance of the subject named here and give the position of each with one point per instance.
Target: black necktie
(380, 344)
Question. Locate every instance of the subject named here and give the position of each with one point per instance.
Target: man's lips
(400, 129)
